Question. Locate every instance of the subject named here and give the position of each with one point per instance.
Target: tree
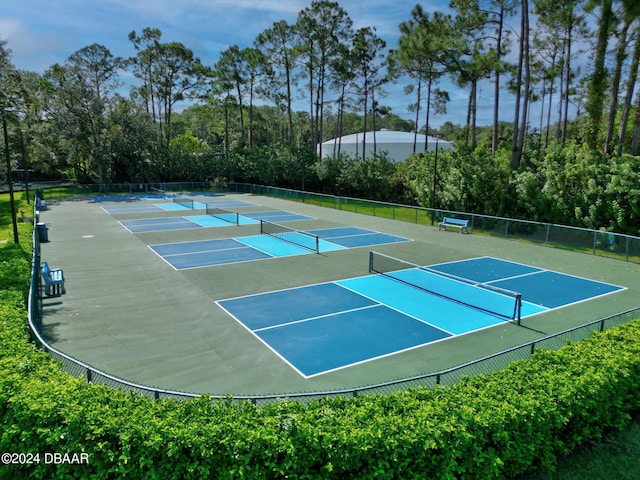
(631, 82)
(567, 24)
(131, 142)
(169, 73)
(547, 47)
(256, 65)
(277, 45)
(323, 30)
(492, 14)
(229, 71)
(469, 60)
(143, 63)
(83, 89)
(421, 55)
(367, 61)
(525, 57)
(10, 99)
(598, 82)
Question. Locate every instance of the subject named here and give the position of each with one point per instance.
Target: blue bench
(462, 225)
(53, 280)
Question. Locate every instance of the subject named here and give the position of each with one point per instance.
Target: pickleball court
(320, 328)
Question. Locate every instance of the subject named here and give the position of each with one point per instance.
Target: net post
(261, 226)
(371, 261)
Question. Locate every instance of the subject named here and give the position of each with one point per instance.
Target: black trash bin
(43, 232)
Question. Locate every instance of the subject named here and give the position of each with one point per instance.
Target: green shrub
(502, 424)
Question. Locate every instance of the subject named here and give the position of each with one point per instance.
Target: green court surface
(130, 314)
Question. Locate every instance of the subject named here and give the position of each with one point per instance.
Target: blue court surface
(148, 196)
(206, 253)
(320, 328)
(161, 224)
(164, 206)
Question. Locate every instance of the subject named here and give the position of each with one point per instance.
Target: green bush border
(493, 426)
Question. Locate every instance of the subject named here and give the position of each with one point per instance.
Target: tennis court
(167, 206)
(160, 224)
(141, 307)
(320, 328)
(275, 241)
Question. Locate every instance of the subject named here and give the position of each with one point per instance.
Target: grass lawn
(617, 456)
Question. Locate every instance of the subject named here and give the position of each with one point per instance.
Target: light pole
(8, 158)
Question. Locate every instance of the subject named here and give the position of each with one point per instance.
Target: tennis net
(184, 201)
(484, 297)
(159, 192)
(291, 235)
(223, 214)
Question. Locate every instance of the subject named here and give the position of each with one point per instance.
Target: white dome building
(397, 145)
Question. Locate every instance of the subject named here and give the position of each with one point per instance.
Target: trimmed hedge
(494, 426)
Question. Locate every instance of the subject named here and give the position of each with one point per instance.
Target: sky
(40, 33)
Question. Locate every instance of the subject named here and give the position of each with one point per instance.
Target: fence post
(546, 238)
(627, 248)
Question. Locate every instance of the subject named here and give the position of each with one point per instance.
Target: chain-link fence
(596, 242)
(497, 361)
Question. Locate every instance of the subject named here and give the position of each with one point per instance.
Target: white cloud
(32, 49)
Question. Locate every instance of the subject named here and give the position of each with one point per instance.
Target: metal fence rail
(595, 242)
(450, 376)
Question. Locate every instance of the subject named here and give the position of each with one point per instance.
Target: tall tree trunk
(289, 101)
(551, 87)
(496, 94)
(567, 84)
(542, 107)
(631, 82)
(364, 125)
(597, 86)
(320, 107)
(418, 101)
(561, 84)
(426, 128)
(615, 85)
(473, 108)
(468, 122)
(527, 82)
(516, 117)
(635, 141)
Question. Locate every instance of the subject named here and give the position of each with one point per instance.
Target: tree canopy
(182, 120)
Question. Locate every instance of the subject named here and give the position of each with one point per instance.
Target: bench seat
(461, 225)
(53, 280)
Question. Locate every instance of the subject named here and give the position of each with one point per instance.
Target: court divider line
(319, 317)
(393, 308)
